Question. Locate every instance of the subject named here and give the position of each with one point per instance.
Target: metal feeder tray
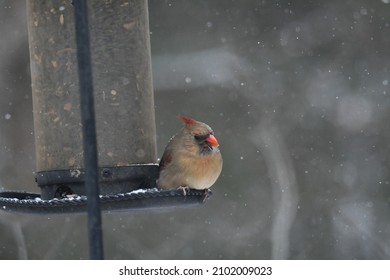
(32, 203)
(121, 188)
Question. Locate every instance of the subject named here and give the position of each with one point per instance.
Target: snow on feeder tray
(63, 198)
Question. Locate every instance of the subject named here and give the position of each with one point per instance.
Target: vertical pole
(88, 129)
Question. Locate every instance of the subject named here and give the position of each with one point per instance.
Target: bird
(191, 159)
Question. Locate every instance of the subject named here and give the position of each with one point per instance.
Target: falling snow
(297, 92)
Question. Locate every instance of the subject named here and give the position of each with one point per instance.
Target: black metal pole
(88, 129)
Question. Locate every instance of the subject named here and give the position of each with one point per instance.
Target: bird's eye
(200, 137)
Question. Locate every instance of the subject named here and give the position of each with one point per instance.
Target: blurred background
(297, 93)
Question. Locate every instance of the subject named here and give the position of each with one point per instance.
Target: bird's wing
(165, 160)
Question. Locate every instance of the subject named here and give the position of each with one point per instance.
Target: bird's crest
(187, 120)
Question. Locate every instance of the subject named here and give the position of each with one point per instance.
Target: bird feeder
(124, 111)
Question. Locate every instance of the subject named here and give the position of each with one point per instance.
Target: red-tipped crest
(186, 120)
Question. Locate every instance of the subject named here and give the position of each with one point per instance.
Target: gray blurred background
(297, 93)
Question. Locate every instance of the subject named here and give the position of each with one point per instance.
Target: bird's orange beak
(212, 140)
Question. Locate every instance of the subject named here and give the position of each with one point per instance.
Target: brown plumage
(191, 159)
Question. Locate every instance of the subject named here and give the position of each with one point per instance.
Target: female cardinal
(192, 159)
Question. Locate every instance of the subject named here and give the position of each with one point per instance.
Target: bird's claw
(184, 189)
(206, 195)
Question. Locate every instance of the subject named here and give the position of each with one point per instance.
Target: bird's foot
(206, 195)
(184, 189)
